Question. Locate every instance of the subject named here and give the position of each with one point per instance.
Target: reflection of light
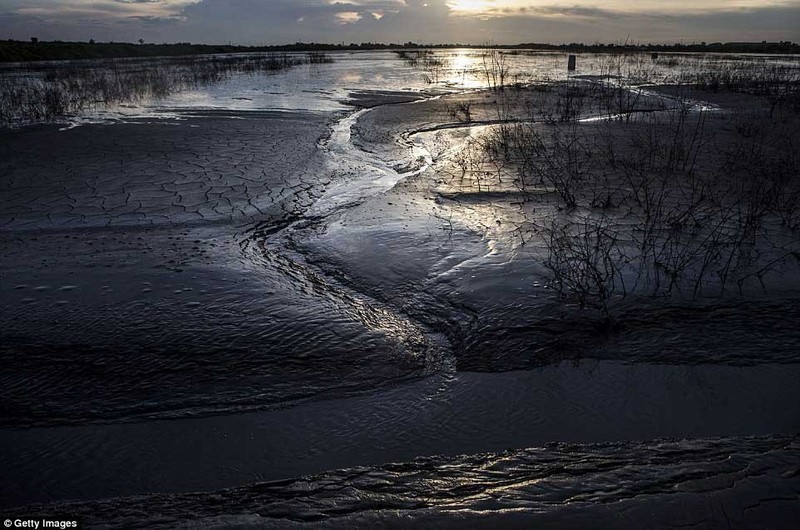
(462, 69)
(350, 77)
(461, 62)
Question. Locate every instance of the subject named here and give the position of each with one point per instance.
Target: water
(327, 87)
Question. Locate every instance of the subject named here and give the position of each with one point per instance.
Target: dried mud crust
(206, 169)
(729, 482)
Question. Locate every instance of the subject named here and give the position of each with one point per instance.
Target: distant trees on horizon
(36, 50)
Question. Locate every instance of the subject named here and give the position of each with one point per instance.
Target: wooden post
(572, 63)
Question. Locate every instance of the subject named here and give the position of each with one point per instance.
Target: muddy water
(203, 303)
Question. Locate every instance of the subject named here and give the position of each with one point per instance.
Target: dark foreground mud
(703, 483)
(461, 413)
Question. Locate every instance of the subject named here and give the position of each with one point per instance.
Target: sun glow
(546, 8)
(471, 6)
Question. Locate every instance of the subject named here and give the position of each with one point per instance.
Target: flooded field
(462, 287)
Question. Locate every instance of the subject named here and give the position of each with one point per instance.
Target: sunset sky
(430, 21)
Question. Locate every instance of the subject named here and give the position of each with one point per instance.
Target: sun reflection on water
(463, 69)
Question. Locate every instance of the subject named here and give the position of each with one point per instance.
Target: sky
(423, 21)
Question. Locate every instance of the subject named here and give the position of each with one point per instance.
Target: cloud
(467, 21)
(348, 17)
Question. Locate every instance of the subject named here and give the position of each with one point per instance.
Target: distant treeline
(783, 47)
(34, 50)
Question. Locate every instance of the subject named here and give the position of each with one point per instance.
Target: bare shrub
(702, 204)
(584, 259)
(557, 156)
(460, 111)
(495, 69)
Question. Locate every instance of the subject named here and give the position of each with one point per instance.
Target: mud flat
(220, 299)
(127, 281)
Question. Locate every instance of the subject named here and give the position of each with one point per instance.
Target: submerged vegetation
(51, 91)
(431, 64)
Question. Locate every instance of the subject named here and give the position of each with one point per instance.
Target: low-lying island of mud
(568, 303)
